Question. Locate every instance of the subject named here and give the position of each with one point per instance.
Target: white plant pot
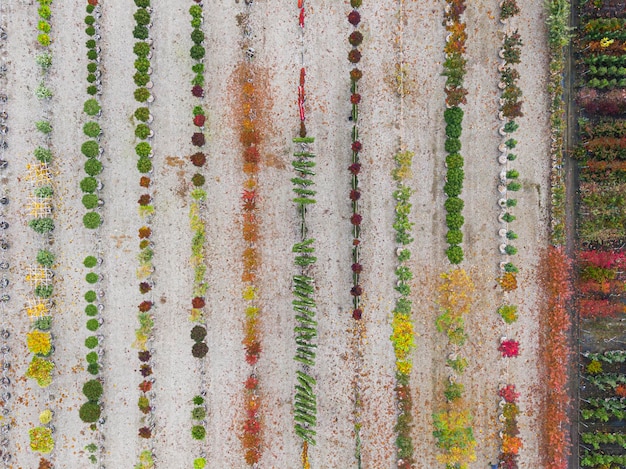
(502, 203)
(503, 158)
(502, 147)
(149, 85)
(501, 53)
(502, 132)
(501, 116)
(501, 85)
(502, 248)
(503, 176)
(502, 232)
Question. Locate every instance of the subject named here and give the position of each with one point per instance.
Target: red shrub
(199, 120)
(198, 302)
(198, 159)
(509, 348)
(197, 139)
(354, 17)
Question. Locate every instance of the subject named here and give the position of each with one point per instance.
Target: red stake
(302, 74)
(302, 18)
(300, 3)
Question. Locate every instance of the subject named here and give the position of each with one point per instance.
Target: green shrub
(142, 16)
(453, 391)
(88, 184)
(141, 78)
(90, 148)
(90, 296)
(91, 107)
(91, 357)
(511, 234)
(511, 202)
(143, 149)
(508, 217)
(198, 400)
(141, 49)
(90, 201)
(453, 115)
(44, 60)
(90, 262)
(197, 36)
(511, 126)
(454, 220)
(144, 165)
(90, 20)
(44, 192)
(93, 325)
(92, 54)
(90, 8)
(93, 167)
(198, 432)
(355, 3)
(90, 31)
(455, 254)
(44, 39)
(198, 413)
(196, 52)
(510, 250)
(42, 225)
(142, 64)
(92, 278)
(511, 157)
(43, 154)
(453, 145)
(91, 342)
(45, 258)
(454, 204)
(89, 412)
(140, 32)
(43, 291)
(455, 176)
(93, 368)
(508, 313)
(43, 92)
(511, 143)
(91, 310)
(454, 237)
(195, 11)
(142, 131)
(512, 174)
(43, 26)
(454, 161)
(453, 130)
(91, 129)
(142, 3)
(92, 220)
(91, 44)
(142, 114)
(197, 110)
(92, 389)
(43, 323)
(43, 126)
(199, 463)
(141, 95)
(452, 189)
(514, 186)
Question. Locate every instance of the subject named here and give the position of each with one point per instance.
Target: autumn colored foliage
(555, 325)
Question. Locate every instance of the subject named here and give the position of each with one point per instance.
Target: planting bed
(302, 234)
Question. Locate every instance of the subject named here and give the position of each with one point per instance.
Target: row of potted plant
(403, 336)
(145, 316)
(510, 109)
(454, 69)
(304, 305)
(355, 40)
(250, 138)
(197, 208)
(90, 411)
(39, 340)
(453, 431)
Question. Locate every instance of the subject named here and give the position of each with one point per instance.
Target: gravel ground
(275, 38)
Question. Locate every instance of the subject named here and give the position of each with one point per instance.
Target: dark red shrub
(357, 314)
(251, 155)
(144, 355)
(198, 159)
(199, 350)
(145, 432)
(356, 290)
(144, 181)
(252, 382)
(354, 17)
(357, 268)
(144, 287)
(198, 139)
(198, 302)
(197, 91)
(145, 386)
(356, 219)
(199, 120)
(356, 38)
(145, 370)
(355, 195)
(145, 306)
(354, 56)
(355, 98)
(356, 146)
(144, 199)
(355, 168)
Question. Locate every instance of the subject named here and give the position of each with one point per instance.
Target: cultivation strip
(305, 307)
(600, 282)
(197, 224)
(510, 109)
(454, 69)
(143, 149)
(90, 411)
(250, 138)
(5, 344)
(354, 57)
(39, 307)
(403, 336)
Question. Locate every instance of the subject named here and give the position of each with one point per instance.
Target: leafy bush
(91, 357)
(44, 39)
(142, 3)
(91, 107)
(89, 412)
(141, 78)
(142, 95)
(93, 368)
(45, 258)
(454, 237)
(90, 148)
(453, 130)
(91, 342)
(144, 165)
(143, 150)
(510, 250)
(452, 145)
(92, 277)
(142, 16)
(198, 333)
(42, 225)
(93, 389)
(142, 131)
(455, 254)
(142, 114)
(88, 184)
(453, 115)
(196, 52)
(43, 291)
(90, 296)
(91, 129)
(198, 413)
(93, 167)
(90, 31)
(92, 325)
(197, 36)
(90, 20)
(91, 310)
(198, 432)
(142, 64)
(44, 60)
(92, 54)
(43, 126)
(140, 32)
(453, 391)
(508, 313)
(92, 220)
(44, 192)
(454, 204)
(43, 92)
(514, 186)
(199, 350)
(198, 400)
(43, 154)
(90, 201)
(199, 463)
(195, 11)
(141, 49)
